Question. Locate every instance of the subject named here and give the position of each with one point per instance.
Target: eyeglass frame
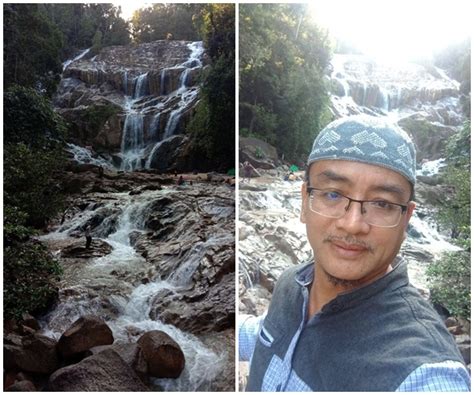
(404, 208)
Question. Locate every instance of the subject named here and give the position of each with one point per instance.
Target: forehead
(356, 174)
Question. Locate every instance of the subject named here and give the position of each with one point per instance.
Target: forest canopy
(283, 58)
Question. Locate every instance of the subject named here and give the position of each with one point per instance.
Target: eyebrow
(390, 188)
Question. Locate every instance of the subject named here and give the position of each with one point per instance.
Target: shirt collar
(396, 278)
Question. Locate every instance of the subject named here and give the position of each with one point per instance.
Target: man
(88, 237)
(350, 321)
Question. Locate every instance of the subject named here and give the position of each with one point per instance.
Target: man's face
(348, 248)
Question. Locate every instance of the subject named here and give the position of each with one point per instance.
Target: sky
(128, 7)
(387, 29)
(401, 29)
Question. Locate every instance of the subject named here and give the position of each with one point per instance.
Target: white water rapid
(80, 56)
(111, 286)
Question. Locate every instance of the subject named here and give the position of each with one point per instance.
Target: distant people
(88, 237)
(292, 176)
(247, 171)
(180, 180)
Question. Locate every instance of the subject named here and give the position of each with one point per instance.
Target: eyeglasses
(332, 204)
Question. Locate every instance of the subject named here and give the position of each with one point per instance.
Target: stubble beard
(340, 282)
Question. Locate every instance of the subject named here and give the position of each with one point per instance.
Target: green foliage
(85, 25)
(33, 141)
(32, 155)
(97, 42)
(161, 21)
(212, 127)
(29, 278)
(450, 276)
(283, 97)
(259, 153)
(32, 46)
(29, 118)
(97, 115)
(450, 282)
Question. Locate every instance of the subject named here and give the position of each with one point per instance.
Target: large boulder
(164, 356)
(258, 152)
(131, 353)
(35, 354)
(87, 332)
(105, 371)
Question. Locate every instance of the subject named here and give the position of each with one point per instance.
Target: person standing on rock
(88, 237)
(349, 320)
(247, 171)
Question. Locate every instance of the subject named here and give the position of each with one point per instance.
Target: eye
(380, 204)
(332, 195)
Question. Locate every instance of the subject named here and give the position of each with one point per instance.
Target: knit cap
(366, 139)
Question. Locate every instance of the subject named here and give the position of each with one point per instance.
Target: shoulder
(441, 376)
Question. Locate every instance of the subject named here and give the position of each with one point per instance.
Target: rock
(36, 354)
(87, 332)
(22, 386)
(130, 353)
(163, 355)
(451, 321)
(29, 321)
(105, 371)
(259, 153)
(78, 249)
(195, 313)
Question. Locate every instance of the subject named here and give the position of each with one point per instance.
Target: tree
(33, 141)
(31, 194)
(161, 20)
(282, 63)
(212, 127)
(32, 46)
(450, 276)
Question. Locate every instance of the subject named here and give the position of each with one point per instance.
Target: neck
(326, 288)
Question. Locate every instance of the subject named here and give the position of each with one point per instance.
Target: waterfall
(186, 99)
(84, 155)
(163, 82)
(140, 86)
(183, 276)
(125, 82)
(152, 154)
(80, 56)
(133, 138)
(132, 141)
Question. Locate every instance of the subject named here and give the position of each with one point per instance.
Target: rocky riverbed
(151, 304)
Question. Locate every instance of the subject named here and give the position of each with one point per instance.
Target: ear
(304, 203)
(410, 210)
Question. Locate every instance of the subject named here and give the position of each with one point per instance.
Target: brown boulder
(36, 354)
(105, 371)
(164, 356)
(87, 332)
(131, 354)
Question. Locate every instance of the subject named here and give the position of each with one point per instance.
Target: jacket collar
(396, 278)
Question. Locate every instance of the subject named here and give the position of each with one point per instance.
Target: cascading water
(80, 56)
(134, 144)
(110, 287)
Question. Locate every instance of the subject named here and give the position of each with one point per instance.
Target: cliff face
(125, 100)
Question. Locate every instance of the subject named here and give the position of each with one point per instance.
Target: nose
(353, 221)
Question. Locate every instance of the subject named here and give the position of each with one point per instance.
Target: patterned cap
(366, 139)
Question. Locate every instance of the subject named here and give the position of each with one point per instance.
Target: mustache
(349, 240)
